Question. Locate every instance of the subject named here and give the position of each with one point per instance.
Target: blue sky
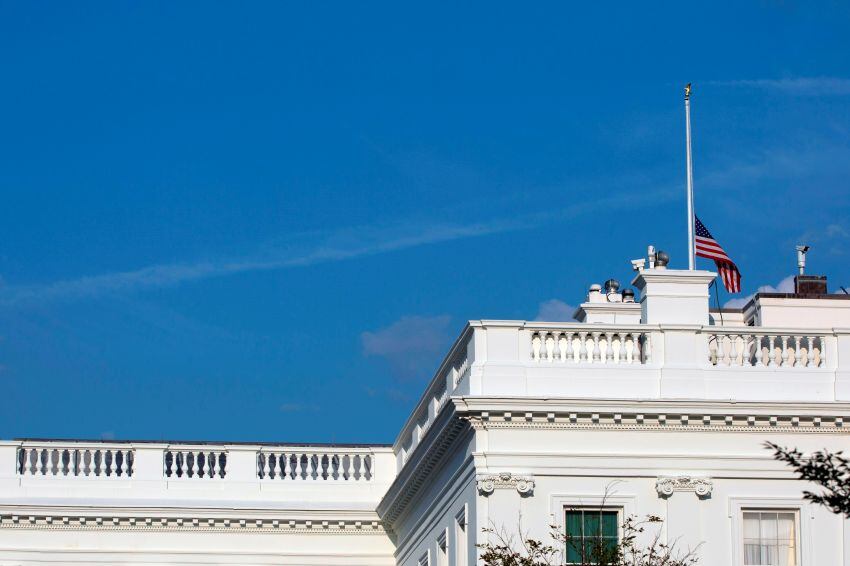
(268, 221)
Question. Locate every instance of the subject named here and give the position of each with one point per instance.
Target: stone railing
(74, 460)
(581, 344)
(200, 463)
(311, 465)
(456, 368)
(190, 463)
(764, 347)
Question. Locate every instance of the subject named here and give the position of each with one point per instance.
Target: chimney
(810, 285)
(807, 284)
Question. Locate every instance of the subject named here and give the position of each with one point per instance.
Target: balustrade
(750, 347)
(194, 464)
(591, 346)
(308, 465)
(85, 462)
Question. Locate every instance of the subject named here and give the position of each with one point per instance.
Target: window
(770, 538)
(442, 548)
(591, 533)
(425, 560)
(461, 553)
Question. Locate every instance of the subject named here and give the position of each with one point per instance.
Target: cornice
(429, 454)
(655, 416)
(152, 522)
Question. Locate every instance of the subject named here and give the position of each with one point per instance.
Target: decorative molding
(805, 423)
(488, 483)
(419, 468)
(667, 486)
(190, 524)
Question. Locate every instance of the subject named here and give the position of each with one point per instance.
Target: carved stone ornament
(487, 484)
(701, 486)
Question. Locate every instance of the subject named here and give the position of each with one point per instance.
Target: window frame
(804, 513)
(797, 542)
(461, 536)
(618, 510)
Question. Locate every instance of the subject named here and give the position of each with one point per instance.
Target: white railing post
(241, 464)
(148, 462)
(838, 357)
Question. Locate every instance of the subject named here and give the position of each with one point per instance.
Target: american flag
(706, 246)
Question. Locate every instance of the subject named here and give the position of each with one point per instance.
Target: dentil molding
(488, 483)
(667, 486)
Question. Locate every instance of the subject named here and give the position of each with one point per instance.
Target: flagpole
(690, 178)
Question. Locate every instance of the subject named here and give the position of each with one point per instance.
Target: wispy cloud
(337, 246)
(410, 345)
(555, 310)
(799, 86)
(334, 246)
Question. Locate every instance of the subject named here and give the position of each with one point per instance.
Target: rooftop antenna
(801, 258)
(690, 174)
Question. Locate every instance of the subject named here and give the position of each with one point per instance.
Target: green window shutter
(586, 529)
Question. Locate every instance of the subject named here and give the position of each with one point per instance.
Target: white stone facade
(643, 408)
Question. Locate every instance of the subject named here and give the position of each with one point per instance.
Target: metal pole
(690, 178)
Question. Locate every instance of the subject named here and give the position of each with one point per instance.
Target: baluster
(39, 466)
(199, 464)
(810, 351)
(53, 462)
(562, 347)
(745, 352)
(263, 465)
(822, 356)
(609, 347)
(208, 468)
(287, 466)
(629, 345)
(99, 463)
(550, 347)
(712, 353)
(30, 460)
(647, 348)
(622, 355)
(121, 463)
(335, 467)
(582, 353)
(300, 464)
(570, 355)
(346, 467)
(355, 464)
(757, 351)
(367, 467)
(798, 352)
(597, 354)
(733, 352)
(721, 349)
(785, 352)
(222, 464)
(771, 355)
(109, 463)
(535, 346)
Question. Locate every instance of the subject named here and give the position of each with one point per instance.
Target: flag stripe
(706, 246)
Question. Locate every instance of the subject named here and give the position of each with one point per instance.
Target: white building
(641, 407)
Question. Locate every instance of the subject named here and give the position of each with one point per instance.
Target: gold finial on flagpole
(687, 91)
